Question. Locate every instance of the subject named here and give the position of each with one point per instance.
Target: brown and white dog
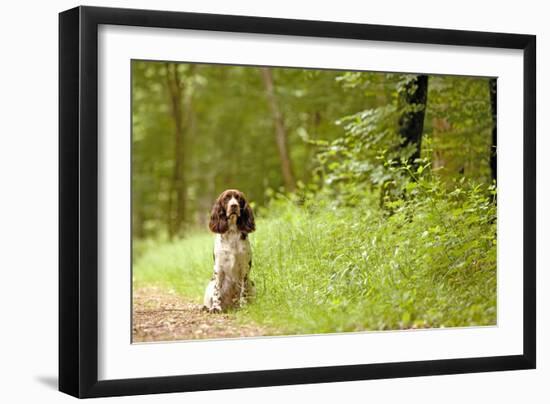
(231, 219)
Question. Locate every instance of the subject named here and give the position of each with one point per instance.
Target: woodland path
(161, 315)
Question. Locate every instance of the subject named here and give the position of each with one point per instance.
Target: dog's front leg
(248, 291)
(242, 292)
(216, 295)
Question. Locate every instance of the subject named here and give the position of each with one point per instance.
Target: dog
(232, 220)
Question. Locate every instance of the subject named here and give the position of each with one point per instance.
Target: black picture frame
(78, 201)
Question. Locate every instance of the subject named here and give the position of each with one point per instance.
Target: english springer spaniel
(231, 219)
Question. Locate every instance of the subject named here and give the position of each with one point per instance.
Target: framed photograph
(251, 201)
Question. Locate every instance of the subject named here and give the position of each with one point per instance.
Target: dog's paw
(215, 309)
(243, 301)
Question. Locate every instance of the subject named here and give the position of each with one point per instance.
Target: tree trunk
(493, 151)
(441, 128)
(177, 189)
(413, 97)
(280, 131)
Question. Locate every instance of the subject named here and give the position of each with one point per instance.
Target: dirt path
(160, 315)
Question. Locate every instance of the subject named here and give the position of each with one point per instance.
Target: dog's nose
(233, 206)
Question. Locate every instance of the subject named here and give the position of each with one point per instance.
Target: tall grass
(319, 267)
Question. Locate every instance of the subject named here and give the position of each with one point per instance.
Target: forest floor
(162, 315)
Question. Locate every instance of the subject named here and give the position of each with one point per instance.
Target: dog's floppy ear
(245, 222)
(218, 219)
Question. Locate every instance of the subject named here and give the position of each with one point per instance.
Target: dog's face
(232, 200)
(231, 207)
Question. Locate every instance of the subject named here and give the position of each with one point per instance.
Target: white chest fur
(232, 254)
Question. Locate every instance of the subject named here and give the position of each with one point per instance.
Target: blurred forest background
(375, 193)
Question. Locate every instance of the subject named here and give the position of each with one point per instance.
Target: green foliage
(458, 127)
(364, 158)
(352, 164)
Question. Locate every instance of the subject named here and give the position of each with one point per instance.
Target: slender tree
(176, 214)
(280, 131)
(413, 97)
(493, 151)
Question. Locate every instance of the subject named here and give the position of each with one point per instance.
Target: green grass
(184, 266)
(319, 268)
